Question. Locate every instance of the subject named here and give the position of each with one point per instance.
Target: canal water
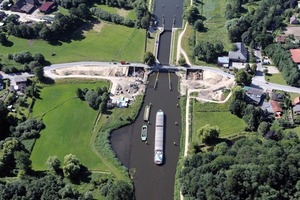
(169, 15)
(152, 182)
(163, 54)
(168, 12)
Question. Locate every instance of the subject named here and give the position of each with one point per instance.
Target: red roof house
(276, 108)
(47, 6)
(295, 55)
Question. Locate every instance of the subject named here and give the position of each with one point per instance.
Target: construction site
(207, 85)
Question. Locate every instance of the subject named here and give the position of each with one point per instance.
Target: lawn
(275, 78)
(104, 42)
(215, 114)
(69, 123)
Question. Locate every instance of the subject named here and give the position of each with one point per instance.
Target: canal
(152, 182)
(169, 15)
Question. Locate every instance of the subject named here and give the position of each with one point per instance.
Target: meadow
(99, 42)
(215, 114)
(68, 125)
(214, 12)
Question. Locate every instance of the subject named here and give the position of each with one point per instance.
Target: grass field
(108, 43)
(276, 78)
(69, 122)
(214, 12)
(215, 114)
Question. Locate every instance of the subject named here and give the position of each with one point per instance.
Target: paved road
(257, 81)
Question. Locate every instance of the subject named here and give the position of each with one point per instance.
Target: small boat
(147, 113)
(144, 133)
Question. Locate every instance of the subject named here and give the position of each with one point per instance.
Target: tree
(91, 97)
(253, 68)
(182, 61)
(71, 166)
(237, 107)
(102, 107)
(39, 73)
(208, 133)
(53, 163)
(22, 161)
(243, 78)
(149, 58)
(39, 58)
(191, 14)
(263, 128)
(3, 39)
(80, 94)
(198, 25)
(121, 190)
(252, 116)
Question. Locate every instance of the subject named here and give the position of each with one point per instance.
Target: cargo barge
(159, 138)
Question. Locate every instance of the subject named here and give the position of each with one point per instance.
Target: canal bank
(150, 180)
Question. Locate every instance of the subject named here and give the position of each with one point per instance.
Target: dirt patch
(293, 30)
(123, 12)
(122, 85)
(209, 85)
(98, 27)
(272, 69)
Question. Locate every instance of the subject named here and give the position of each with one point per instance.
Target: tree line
(281, 57)
(251, 168)
(253, 28)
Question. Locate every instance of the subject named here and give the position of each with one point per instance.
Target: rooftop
(275, 106)
(295, 55)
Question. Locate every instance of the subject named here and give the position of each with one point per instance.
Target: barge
(159, 138)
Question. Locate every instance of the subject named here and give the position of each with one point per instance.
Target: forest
(251, 168)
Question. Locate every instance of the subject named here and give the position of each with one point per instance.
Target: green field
(275, 78)
(103, 42)
(214, 12)
(215, 114)
(69, 123)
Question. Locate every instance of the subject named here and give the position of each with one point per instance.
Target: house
(24, 6)
(241, 55)
(276, 108)
(280, 39)
(294, 20)
(296, 109)
(253, 95)
(295, 53)
(277, 96)
(18, 83)
(223, 61)
(48, 6)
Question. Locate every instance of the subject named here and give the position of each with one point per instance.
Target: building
(277, 96)
(18, 83)
(24, 6)
(276, 108)
(296, 106)
(253, 95)
(241, 55)
(294, 20)
(223, 61)
(48, 7)
(295, 53)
